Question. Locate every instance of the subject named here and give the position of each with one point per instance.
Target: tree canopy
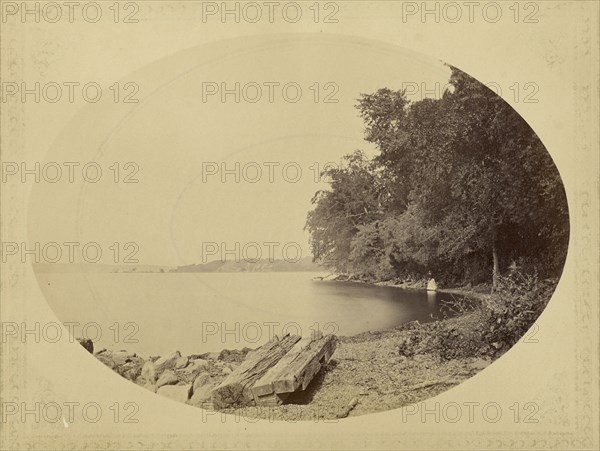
(461, 188)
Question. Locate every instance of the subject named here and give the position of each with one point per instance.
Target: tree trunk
(496, 269)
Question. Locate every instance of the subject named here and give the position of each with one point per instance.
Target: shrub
(512, 309)
(483, 327)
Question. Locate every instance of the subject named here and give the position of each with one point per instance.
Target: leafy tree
(353, 200)
(459, 182)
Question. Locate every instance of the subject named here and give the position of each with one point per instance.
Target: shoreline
(460, 291)
(368, 372)
(477, 292)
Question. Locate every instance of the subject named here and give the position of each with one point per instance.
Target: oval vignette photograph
(300, 226)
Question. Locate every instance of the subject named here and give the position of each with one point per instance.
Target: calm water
(196, 313)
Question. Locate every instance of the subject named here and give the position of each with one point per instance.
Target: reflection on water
(431, 297)
(196, 313)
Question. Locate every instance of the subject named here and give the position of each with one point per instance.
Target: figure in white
(432, 285)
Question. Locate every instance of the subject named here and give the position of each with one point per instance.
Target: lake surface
(154, 314)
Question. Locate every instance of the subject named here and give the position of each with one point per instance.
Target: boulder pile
(188, 379)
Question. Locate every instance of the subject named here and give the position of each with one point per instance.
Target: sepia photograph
(299, 225)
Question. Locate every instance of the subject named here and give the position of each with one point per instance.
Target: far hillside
(265, 265)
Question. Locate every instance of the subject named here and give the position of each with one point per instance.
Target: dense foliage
(484, 327)
(461, 188)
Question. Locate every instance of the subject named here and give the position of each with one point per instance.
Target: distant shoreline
(229, 267)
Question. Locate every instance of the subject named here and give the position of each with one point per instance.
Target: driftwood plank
(235, 389)
(301, 371)
(264, 386)
(294, 371)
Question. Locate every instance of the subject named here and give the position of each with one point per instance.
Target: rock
(122, 357)
(346, 411)
(201, 380)
(199, 364)
(148, 372)
(87, 343)
(180, 393)
(168, 377)
(106, 358)
(202, 395)
(226, 370)
(167, 362)
(131, 370)
(205, 356)
(194, 368)
(234, 355)
(181, 362)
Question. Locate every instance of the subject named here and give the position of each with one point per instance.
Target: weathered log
(264, 386)
(294, 371)
(235, 389)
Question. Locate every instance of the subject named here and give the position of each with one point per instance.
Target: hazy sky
(180, 135)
